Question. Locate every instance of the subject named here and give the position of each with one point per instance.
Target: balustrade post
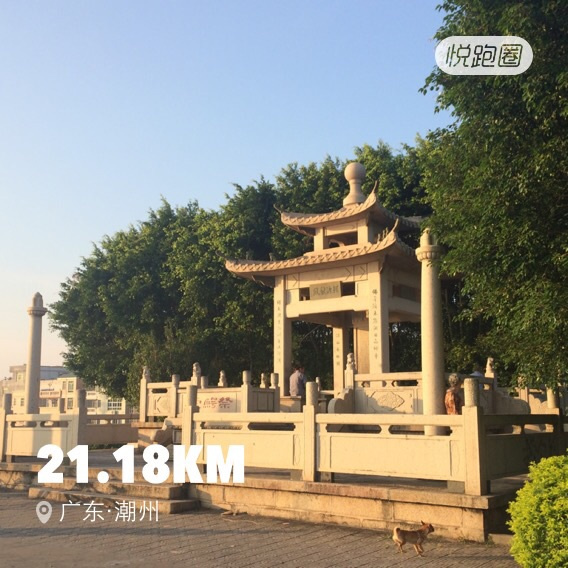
(476, 482)
(174, 396)
(246, 390)
(81, 413)
(264, 383)
(551, 398)
(222, 380)
(309, 414)
(144, 395)
(4, 411)
(552, 407)
(196, 375)
(471, 392)
(190, 408)
(274, 380)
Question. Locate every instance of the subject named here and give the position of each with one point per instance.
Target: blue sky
(106, 106)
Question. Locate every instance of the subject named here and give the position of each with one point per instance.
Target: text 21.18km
(156, 469)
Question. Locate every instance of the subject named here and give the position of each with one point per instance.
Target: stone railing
(167, 399)
(401, 393)
(25, 434)
(542, 400)
(388, 392)
(465, 450)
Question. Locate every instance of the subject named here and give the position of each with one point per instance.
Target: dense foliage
(539, 516)
(497, 182)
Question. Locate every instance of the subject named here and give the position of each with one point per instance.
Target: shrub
(539, 516)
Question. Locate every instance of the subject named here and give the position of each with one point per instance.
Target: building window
(304, 294)
(69, 403)
(70, 386)
(114, 404)
(348, 288)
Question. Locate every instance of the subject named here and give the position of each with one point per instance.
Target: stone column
(282, 336)
(379, 357)
(432, 347)
(33, 366)
(340, 349)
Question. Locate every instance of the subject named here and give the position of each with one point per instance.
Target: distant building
(16, 381)
(18, 373)
(58, 392)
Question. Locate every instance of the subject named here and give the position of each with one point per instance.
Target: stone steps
(169, 498)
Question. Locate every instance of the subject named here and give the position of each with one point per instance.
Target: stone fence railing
(467, 450)
(24, 434)
(168, 399)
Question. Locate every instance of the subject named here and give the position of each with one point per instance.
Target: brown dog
(417, 537)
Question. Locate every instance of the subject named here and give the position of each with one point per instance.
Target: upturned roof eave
(260, 270)
(307, 223)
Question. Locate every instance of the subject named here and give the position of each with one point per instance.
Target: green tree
(159, 295)
(231, 317)
(120, 309)
(496, 180)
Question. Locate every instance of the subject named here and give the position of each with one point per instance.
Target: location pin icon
(43, 511)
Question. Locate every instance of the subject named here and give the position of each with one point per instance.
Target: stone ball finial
(354, 174)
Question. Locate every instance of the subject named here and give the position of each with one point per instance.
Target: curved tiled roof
(314, 219)
(250, 268)
(306, 222)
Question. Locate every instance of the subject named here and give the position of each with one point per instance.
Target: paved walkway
(208, 539)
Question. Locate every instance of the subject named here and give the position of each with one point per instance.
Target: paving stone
(209, 539)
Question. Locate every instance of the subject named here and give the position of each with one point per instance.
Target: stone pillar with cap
(433, 384)
(33, 366)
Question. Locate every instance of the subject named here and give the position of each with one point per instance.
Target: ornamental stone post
(433, 386)
(33, 366)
